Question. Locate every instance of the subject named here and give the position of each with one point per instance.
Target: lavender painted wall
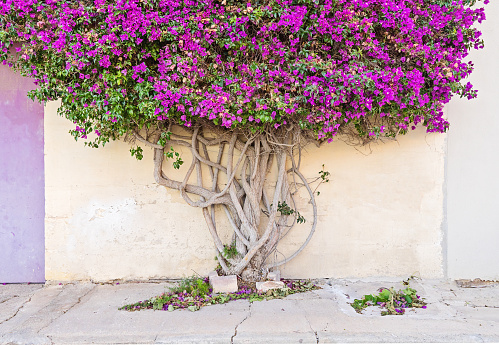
(22, 201)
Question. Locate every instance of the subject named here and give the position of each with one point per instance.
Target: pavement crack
(8, 299)
(71, 307)
(310, 325)
(18, 309)
(315, 332)
(239, 324)
(79, 299)
(483, 306)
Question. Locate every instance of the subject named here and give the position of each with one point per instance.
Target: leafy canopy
(371, 67)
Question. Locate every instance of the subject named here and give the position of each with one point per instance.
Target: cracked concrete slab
(96, 319)
(13, 297)
(320, 313)
(478, 313)
(84, 313)
(212, 324)
(239, 324)
(278, 320)
(11, 307)
(43, 307)
(440, 322)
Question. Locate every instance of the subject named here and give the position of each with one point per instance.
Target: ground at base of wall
(88, 313)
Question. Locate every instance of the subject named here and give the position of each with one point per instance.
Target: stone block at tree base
(275, 276)
(269, 285)
(223, 284)
(212, 274)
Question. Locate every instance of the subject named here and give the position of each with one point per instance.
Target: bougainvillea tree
(243, 85)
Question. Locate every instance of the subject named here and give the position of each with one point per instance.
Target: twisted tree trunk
(240, 186)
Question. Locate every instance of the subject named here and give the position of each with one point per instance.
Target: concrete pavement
(84, 313)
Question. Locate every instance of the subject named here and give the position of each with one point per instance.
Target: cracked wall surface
(106, 218)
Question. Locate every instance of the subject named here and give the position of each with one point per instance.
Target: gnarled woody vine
(240, 188)
(252, 80)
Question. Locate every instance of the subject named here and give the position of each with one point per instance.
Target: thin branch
(235, 227)
(157, 146)
(312, 230)
(281, 144)
(218, 243)
(257, 156)
(169, 183)
(214, 181)
(198, 156)
(214, 197)
(256, 247)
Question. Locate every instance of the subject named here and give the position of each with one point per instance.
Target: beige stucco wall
(106, 218)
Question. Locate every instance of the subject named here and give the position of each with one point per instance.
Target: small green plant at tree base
(394, 301)
(194, 286)
(190, 294)
(230, 251)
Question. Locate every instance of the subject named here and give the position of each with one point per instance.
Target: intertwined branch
(238, 183)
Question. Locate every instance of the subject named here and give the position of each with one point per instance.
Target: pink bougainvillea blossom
(380, 67)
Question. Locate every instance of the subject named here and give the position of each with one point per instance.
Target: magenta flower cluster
(379, 67)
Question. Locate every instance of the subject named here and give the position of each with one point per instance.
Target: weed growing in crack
(192, 297)
(393, 301)
(195, 286)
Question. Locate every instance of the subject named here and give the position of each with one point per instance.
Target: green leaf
(384, 295)
(369, 298)
(171, 307)
(157, 306)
